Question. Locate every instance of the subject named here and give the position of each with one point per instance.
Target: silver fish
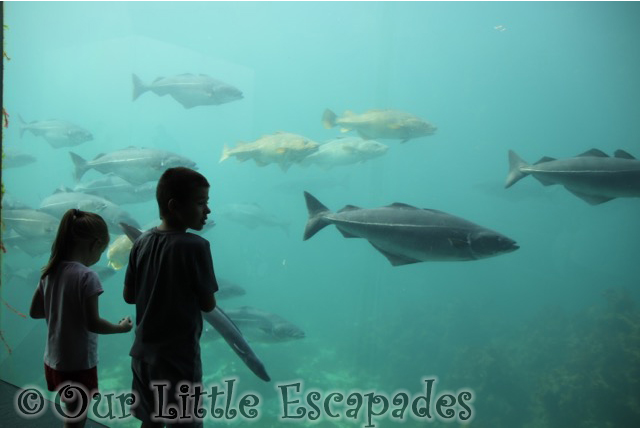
(58, 133)
(31, 223)
(405, 234)
(118, 190)
(190, 90)
(64, 199)
(137, 165)
(592, 176)
(345, 151)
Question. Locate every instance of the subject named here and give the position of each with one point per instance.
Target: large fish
(592, 176)
(380, 124)
(64, 199)
(345, 151)
(252, 216)
(405, 234)
(32, 246)
(263, 326)
(58, 133)
(190, 90)
(221, 322)
(137, 165)
(281, 148)
(31, 223)
(118, 190)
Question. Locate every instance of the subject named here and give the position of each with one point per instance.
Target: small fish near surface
(190, 90)
(345, 151)
(405, 234)
(592, 176)
(137, 165)
(253, 216)
(264, 327)
(281, 148)
(57, 133)
(380, 124)
(219, 320)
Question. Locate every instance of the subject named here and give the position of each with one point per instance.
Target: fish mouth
(512, 248)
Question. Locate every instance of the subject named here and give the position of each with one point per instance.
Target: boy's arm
(98, 325)
(37, 305)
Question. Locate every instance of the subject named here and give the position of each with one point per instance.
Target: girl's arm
(37, 305)
(98, 325)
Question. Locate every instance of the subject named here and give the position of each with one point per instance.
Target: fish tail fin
(226, 153)
(515, 173)
(132, 232)
(139, 88)
(80, 164)
(316, 220)
(329, 119)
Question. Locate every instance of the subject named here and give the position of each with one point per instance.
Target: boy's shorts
(87, 378)
(144, 374)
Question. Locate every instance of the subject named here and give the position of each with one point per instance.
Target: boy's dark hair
(177, 183)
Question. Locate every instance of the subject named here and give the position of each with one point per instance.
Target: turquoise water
(547, 336)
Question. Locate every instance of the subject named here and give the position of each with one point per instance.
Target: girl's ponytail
(76, 225)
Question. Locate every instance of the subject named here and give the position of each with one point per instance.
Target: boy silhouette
(170, 279)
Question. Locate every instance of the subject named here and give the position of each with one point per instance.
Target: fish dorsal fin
(186, 74)
(545, 159)
(158, 79)
(400, 205)
(594, 153)
(622, 154)
(99, 155)
(349, 208)
(348, 113)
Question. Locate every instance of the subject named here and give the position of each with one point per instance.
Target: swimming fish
(190, 90)
(281, 148)
(405, 234)
(380, 124)
(592, 176)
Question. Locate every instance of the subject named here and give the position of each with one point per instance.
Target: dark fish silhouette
(405, 234)
(592, 176)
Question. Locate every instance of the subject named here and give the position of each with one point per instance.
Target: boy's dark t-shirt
(167, 271)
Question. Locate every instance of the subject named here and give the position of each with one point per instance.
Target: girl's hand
(125, 324)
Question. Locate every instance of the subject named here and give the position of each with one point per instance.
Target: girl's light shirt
(70, 345)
